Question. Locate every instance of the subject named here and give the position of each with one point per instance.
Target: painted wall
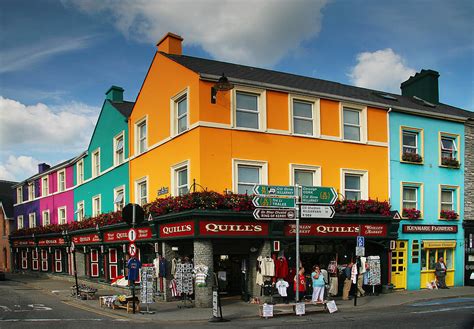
(210, 150)
(431, 175)
(109, 124)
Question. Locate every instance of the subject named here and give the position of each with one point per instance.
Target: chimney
(42, 167)
(423, 85)
(114, 94)
(170, 44)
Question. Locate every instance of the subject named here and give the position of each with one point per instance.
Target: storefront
(469, 252)
(419, 250)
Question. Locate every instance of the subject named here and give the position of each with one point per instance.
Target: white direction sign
(308, 211)
(132, 249)
(360, 251)
(132, 235)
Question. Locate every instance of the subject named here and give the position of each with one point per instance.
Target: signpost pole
(133, 283)
(75, 270)
(298, 216)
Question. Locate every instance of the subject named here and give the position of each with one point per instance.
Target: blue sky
(57, 58)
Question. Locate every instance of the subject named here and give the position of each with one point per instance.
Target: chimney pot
(114, 94)
(423, 85)
(171, 44)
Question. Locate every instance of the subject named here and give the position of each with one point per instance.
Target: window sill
(448, 220)
(250, 129)
(352, 141)
(449, 167)
(411, 162)
(415, 219)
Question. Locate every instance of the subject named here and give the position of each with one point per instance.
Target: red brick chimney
(170, 44)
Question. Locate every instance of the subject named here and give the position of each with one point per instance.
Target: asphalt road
(22, 306)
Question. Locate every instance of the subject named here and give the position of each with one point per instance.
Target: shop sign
(122, 235)
(177, 229)
(21, 243)
(269, 213)
(430, 228)
(330, 229)
(207, 227)
(84, 239)
(51, 242)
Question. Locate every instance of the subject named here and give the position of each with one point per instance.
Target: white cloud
(250, 32)
(18, 168)
(39, 127)
(23, 57)
(381, 70)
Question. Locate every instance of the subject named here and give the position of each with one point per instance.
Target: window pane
(352, 195)
(142, 131)
(432, 259)
(352, 133)
(246, 101)
(447, 143)
(446, 206)
(409, 205)
(245, 188)
(304, 127)
(304, 177)
(409, 194)
(303, 110)
(423, 260)
(351, 117)
(182, 124)
(120, 144)
(449, 258)
(247, 174)
(446, 196)
(409, 139)
(247, 120)
(183, 177)
(182, 106)
(352, 182)
(119, 197)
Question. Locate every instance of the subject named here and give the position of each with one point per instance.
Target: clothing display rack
(184, 283)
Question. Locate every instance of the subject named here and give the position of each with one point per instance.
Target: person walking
(440, 272)
(300, 284)
(360, 277)
(318, 285)
(347, 272)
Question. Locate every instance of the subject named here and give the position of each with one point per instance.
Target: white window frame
(174, 111)
(19, 194)
(31, 191)
(116, 193)
(43, 217)
(138, 196)
(80, 211)
(316, 114)
(251, 163)
(364, 182)
(316, 170)
(362, 121)
(455, 150)
(60, 221)
(456, 198)
(419, 195)
(96, 206)
(119, 158)
(80, 172)
(45, 186)
(416, 201)
(414, 133)
(261, 105)
(20, 222)
(138, 124)
(61, 188)
(32, 219)
(95, 162)
(449, 203)
(175, 169)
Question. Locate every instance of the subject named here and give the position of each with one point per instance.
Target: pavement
(232, 308)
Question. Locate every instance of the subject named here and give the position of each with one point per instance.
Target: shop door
(44, 260)
(58, 261)
(399, 265)
(113, 263)
(24, 260)
(94, 263)
(34, 261)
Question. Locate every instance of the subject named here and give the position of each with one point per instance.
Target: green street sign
(274, 190)
(318, 195)
(273, 202)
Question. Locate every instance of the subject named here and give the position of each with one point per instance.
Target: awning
(438, 244)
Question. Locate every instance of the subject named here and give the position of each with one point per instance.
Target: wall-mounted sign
(429, 228)
(208, 227)
(21, 243)
(177, 229)
(142, 233)
(163, 190)
(276, 245)
(51, 242)
(331, 229)
(85, 239)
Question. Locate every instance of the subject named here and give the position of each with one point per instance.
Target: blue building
(427, 185)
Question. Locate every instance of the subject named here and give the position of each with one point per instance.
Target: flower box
(448, 214)
(450, 162)
(411, 213)
(412, 157)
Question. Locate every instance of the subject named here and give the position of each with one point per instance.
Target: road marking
(443, 301)
(443, 309)
(55, 320)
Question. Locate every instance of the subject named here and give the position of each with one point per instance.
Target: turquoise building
(101, 174)
(427, 186)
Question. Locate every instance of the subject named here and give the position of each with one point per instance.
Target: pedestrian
(325, 274)
(440, 272)
(347, 272)
(360, 277)
(333, 278)
(300, 284)
(318, 285)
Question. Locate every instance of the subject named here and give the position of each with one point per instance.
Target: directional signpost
(309, 211)
(274, 190)
(318, 195)
(274, 202)
(270, 213)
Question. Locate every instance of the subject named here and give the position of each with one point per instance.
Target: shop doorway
(232, 280)
(399, 264)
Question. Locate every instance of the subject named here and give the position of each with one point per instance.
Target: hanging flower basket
(411, 213)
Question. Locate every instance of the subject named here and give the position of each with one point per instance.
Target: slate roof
(7, 196)
(53, 168)
(125, 108)
(323, 87)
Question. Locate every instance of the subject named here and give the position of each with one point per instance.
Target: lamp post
(72, 248)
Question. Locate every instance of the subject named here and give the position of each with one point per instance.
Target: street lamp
(222, 84)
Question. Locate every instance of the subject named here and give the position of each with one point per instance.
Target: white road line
(56, 320)
(443, 309)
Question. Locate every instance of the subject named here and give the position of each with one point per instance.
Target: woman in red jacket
(300, 281)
